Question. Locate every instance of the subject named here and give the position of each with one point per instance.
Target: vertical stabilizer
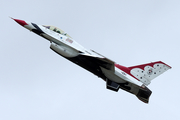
(146, 72)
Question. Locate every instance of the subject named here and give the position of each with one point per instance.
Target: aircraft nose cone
(21, 22)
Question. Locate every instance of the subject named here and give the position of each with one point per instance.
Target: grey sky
(36, 83)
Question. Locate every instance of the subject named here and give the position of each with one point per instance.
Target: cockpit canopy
(55, 29)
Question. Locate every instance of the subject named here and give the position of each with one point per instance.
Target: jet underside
(93, 66)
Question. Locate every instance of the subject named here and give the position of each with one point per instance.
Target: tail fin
(146, 72)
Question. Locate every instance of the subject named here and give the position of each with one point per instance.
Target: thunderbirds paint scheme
(131, 79)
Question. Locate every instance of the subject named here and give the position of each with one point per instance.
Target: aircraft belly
(93, 67)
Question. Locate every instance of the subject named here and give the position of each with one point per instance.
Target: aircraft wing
(100, 60)
(106, 63)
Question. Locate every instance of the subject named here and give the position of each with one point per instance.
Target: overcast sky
(38, 84)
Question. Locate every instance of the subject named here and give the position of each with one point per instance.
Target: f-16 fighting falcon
(131, 79)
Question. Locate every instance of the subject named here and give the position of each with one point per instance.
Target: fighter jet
(133, 79)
